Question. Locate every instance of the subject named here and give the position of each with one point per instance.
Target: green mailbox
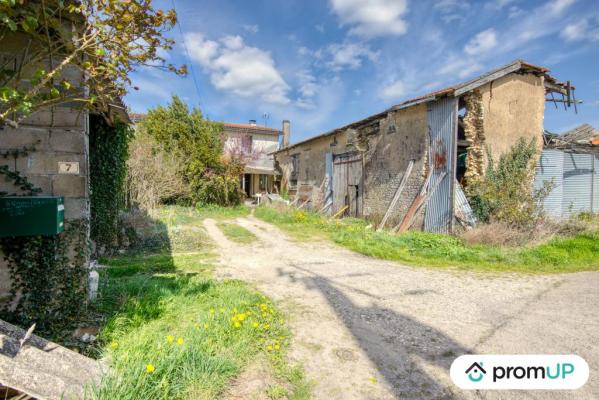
(31, 215)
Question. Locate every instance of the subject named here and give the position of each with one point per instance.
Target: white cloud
(581, 30)
(307, 83)
(558, 6)
(319, 28)
(251, 28)
(372, 18)
(447, 6)
(481, 43)
(461, 66)
(498, 4)
(394, 91)
(349, 55)
(238, 68)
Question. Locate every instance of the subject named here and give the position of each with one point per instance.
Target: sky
(326, 63)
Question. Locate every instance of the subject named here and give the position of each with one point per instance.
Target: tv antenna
(266, 117)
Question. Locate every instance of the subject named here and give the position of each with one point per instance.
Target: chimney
(286, 132)
(252, 122)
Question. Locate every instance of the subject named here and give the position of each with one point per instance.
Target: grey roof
(582, 133)
(454, 90)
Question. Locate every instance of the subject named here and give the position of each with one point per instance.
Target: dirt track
(369, 329)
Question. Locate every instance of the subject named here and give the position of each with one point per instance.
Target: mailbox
(31, 215)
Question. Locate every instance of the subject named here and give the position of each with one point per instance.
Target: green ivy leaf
(54, 93)
(29, 24)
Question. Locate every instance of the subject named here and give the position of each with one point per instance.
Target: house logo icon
(476, 372)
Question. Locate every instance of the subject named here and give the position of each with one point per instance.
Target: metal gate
(442, 127)
(347, 183)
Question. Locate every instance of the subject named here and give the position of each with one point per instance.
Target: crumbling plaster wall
(402, 136)
(312, 168)
(498, 114)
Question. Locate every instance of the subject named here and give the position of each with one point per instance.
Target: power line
(193, 74)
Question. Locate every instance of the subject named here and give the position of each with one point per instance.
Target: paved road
(370, 329)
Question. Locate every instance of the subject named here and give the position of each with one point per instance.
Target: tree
(185, 135)
(105, 39)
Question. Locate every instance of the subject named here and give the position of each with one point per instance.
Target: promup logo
(519, 372)
(476, 372)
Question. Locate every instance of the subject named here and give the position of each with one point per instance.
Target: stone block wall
(402, 136)
(57, 135)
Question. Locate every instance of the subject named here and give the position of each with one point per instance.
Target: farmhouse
(255, 144)
(407, 165)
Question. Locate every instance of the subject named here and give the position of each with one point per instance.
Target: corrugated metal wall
(551, 169)
(576, 182)
(442, 125)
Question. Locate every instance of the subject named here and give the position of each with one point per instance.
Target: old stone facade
(491, 113)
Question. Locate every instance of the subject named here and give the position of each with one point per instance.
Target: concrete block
(11, 138)
(42, 118)
(47, 163)
(69, 185)
(42, 182)
(71, 141)
(76, 208)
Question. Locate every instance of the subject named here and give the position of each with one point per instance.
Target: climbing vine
(108, 170)
(48, 281)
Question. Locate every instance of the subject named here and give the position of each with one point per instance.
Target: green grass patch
(569, 254)
(237, 233)
(173, 332)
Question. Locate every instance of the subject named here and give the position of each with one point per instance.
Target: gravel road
(370, 329)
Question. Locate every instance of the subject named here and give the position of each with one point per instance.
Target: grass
(567, 254)
(171, 331)
(237, 233)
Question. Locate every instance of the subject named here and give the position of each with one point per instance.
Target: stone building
(255, 143)
(416, 155)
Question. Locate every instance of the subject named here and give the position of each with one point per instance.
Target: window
(263, 184)
(246, 144)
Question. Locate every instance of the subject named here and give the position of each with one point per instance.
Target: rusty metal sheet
(442, 127)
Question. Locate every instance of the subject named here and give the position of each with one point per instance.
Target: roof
(583, 133)
(454, 90)
(583, 138)
(249, 128)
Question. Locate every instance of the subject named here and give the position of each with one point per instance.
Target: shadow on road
(402, 348)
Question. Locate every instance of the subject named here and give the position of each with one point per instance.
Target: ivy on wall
(48, 275)
(108, 149)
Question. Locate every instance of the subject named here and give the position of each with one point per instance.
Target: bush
(505, 194)
(154, 177)
(218, 188)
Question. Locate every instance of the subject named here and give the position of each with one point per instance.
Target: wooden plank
(398, 192)
(415, 207)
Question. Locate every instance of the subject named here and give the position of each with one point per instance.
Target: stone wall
(58, 135)
(401, 137)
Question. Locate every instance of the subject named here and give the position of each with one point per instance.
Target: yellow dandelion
(237, 325)
(277, 347)
(170, 339)
(180, 341)
(241, 317)
(266, 327)
(114, 345)
(211, 311)
(150, 368)
(255, 324)
(196, 325)
(269, 348)
(205, 326)
(234, 318)
(373, 379)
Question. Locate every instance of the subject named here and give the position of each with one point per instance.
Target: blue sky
(323, 64)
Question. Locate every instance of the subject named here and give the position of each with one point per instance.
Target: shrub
(154, 177)
(505, 194)
(218, 188)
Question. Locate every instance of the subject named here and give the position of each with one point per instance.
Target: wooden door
(347, 184)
